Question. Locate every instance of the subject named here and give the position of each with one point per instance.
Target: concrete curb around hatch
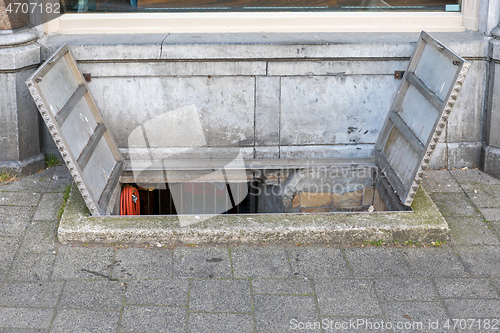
(424, 224)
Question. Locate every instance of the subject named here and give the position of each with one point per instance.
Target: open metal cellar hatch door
(418, 115)
(388, 181)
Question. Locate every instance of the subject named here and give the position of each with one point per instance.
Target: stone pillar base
(492, 161)
(19, 128)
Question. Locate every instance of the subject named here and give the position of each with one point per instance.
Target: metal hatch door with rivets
(418, 115)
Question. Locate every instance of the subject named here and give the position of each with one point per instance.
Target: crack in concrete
(99, 274)
(161, 45)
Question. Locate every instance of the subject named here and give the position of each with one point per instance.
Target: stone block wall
(276, 95)
(491, 152)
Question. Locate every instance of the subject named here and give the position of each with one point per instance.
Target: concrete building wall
(491, 152)
(275, 95)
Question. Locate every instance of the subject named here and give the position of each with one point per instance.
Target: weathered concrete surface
(464, 154)
(334, 151)
(257, 45)
(353, 67)
(334, 109)
(493, 136)
(267, 111)
(439, 158)
(225, 105)
(461, 143)
(492, 161)
(466, 120)
(473, 177)
(18, 57)
(166, 68)
(47, 286)
(19, 128)
(491, 214)
(311, 45)
(192, 153)
(471, 231)
(106, 47)
(495, 45)
(489, 16)
(423, 225)
(491, 151)
(267, 152)
(18, 37)
(440, 181)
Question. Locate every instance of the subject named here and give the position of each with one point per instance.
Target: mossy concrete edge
(424, 224)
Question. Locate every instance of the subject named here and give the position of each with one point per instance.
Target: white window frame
(99, 23)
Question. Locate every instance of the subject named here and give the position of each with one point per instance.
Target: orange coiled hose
(129, 201)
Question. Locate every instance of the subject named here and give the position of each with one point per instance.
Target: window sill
(95, 23)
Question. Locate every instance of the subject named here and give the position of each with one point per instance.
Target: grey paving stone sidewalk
(48, 287)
